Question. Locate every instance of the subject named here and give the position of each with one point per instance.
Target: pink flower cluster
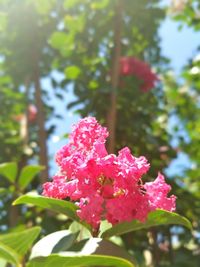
(105, 186)
(131, 66)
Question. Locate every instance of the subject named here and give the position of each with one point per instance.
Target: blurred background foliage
(78, 45)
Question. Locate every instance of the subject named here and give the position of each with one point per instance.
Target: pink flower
(57, 188)
(32, 113)
(130, 165)
(157, 192)
(86, 134)
(91, 209)
(105, 186)
(127, 206)
(131, 66)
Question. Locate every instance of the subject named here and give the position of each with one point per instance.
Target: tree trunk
(24, 135)
(13, 215)
(42, 135)
(171, 254)
(112, 112)
(24, 127)
(156, 252)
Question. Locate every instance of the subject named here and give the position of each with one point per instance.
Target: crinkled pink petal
(86, 132)
(55, 190)
(62, 154)
(70, 165)
(108, 166)
(91, 209)
(99, 149)
(60, 188)
(130, 165)
(157, 192)
(127, 208)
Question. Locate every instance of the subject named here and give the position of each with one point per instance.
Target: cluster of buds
(102, 185)
(131, 66)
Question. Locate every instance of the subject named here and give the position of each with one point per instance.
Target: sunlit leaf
(27, 174)
(3, 20)
(58, 39)
(43, 7)
(155, 218)
(20, 241)
(99, 4)
(72, 72)
(74, 24)
(63, 42)
(56, 205)
(70, 3)
(54, 243)
(70, 261)
(9, 171)
(99, 246)
(84, 233)
(3, 262)
(8, 254)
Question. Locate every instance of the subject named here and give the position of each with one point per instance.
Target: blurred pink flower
(131, 66)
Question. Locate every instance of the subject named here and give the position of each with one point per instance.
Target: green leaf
(20, 241)
(9, 171)
(63, 42)
(27, 174)
(58, 39)
(56, 205)
(155, 218)
(93, 85)
(8, 254)
(70, 3)
(70, 261)
(3, 262)
(3, 21)
(75, 24)
(99, 246)
(99, 4)
(72, 72)
(84, 233)
(54, 243)
(43, 7)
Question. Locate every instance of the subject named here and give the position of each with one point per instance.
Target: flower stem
(95, 232)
